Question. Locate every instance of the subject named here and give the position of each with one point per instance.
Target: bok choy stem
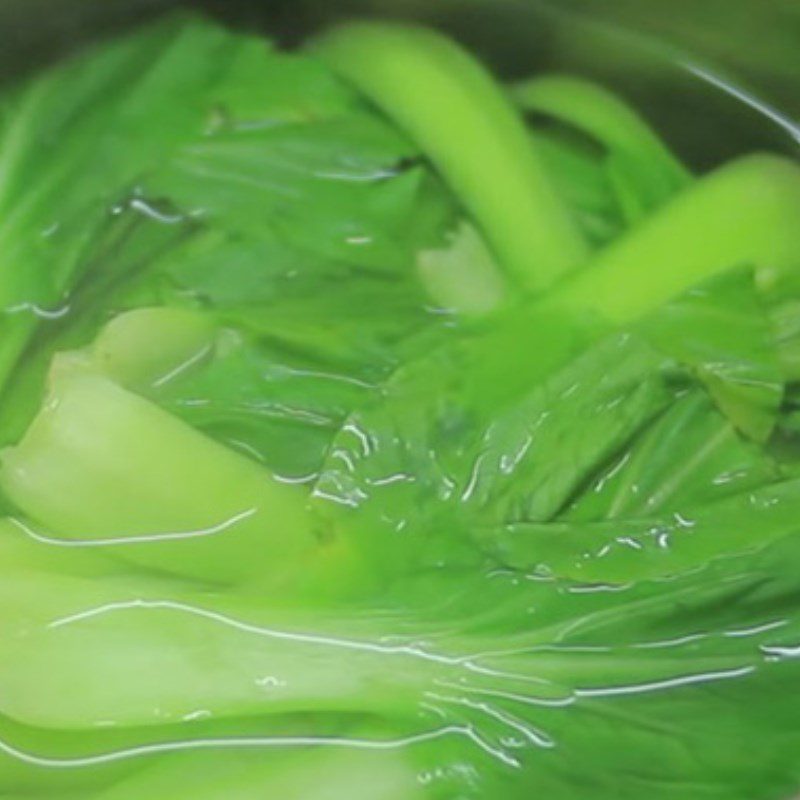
(602, 115)
(744, 213)
(103, 465)
(452, 107)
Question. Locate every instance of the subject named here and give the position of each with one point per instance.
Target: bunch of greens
(376, 430)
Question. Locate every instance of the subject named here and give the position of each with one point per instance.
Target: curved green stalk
(745, 213)
(642, 171)
(602, 115)
(452, 107)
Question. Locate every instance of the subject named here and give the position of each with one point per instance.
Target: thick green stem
(138, 652)
(451, 106)
(641, 171)
(89, 645)
(100, 463)
(745, 213)
(337, 772)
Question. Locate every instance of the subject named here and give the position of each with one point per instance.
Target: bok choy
(376, 428)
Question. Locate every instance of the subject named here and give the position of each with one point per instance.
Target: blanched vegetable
(364, 438)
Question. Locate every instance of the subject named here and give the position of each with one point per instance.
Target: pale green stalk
(745, 213)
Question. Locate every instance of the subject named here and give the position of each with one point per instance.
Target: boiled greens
(373, 428)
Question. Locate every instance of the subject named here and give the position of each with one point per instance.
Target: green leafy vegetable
(74, 142)
(365, 438)
(690, 454)
(433, 442)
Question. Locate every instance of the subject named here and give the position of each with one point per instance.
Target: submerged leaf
(320, 504)
(721, 329)
(433, 449)
(689, 455)
(622, 550)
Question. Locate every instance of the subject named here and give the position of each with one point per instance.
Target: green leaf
(689, 455)
(582, 179)
(73, 143)
(721, 330)
(283, 203)
(274, 404)
(621, 550)
(336, 188)
(445, 440)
